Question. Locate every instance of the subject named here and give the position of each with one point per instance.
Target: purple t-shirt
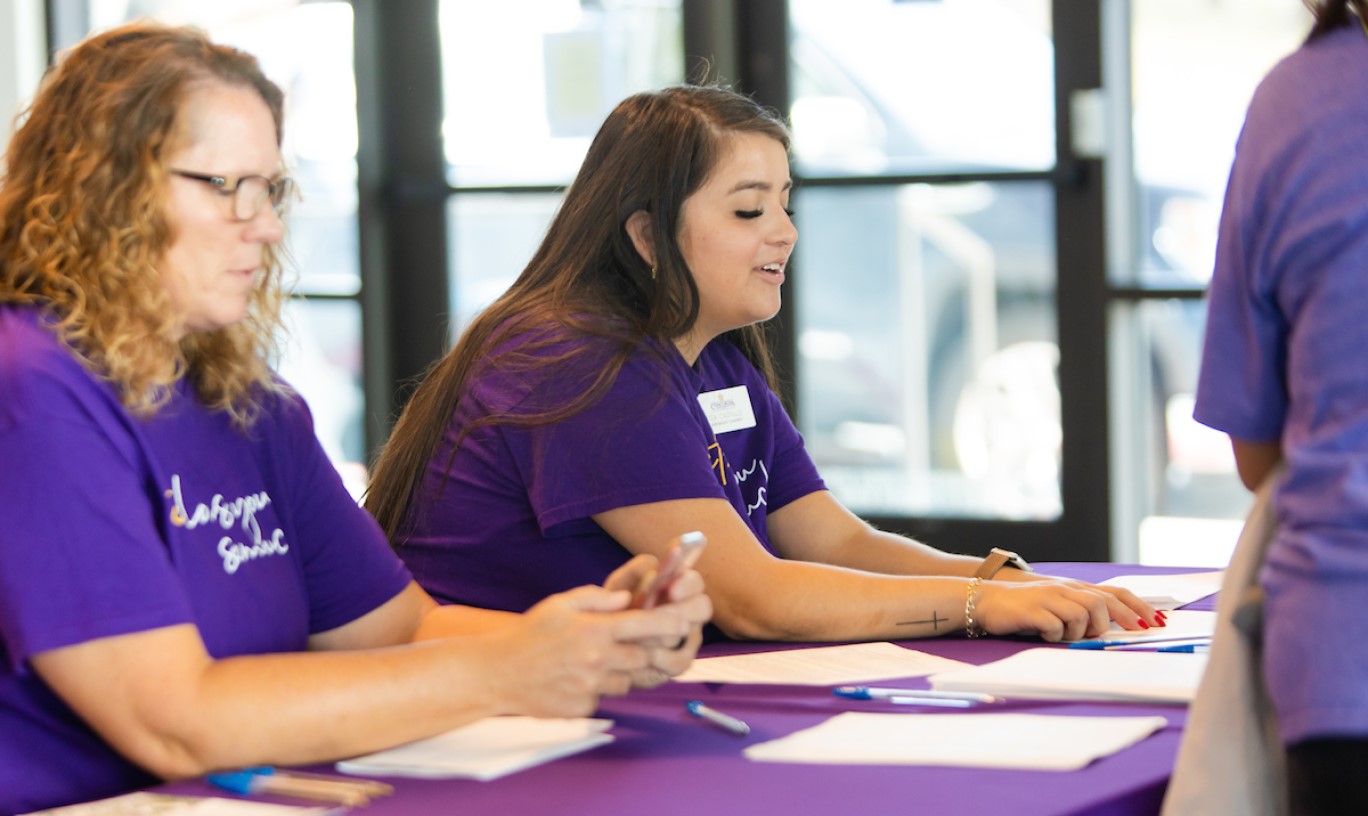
(112, 525)
(510, 524)
(1285, 358)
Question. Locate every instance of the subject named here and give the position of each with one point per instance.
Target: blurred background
(1007, 212)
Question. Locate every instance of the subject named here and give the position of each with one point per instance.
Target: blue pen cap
(238, 781)
(853, 692)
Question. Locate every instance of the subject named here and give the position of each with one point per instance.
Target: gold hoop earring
(653, 277)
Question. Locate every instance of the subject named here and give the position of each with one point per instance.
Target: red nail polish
(1143, 625)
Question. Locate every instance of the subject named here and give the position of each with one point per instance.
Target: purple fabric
(113, 525)
(511, 522)
(666, 763)
(1285, 343)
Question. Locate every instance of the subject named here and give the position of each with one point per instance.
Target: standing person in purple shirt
(619, 394)
(185, 584)
(1284, 374)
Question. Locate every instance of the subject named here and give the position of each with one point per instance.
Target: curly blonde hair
(83, 222)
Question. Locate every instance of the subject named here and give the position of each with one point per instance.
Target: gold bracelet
(971, 595)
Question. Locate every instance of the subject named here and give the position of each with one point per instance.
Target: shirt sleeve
(349, 567)
(1241, 387)
(795, 474)
(640, 443)
(83, 556)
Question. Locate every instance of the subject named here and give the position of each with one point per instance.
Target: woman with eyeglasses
(185, 585)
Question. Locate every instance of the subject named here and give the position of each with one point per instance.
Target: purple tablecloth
(665, 762)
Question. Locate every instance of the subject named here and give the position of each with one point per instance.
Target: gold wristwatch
(999, 558)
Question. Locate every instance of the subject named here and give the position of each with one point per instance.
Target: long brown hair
(586, 279)
(1332, 14)
(83, 225)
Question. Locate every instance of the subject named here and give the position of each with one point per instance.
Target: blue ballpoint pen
(1132, 642)
(726, 722)
(910, 696)
(265, 779)
(1190, 648)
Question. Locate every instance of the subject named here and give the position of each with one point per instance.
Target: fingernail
(1142, 623)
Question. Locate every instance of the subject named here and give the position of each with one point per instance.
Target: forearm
(456, 620)
(819, 602)
(160, 699)
(292, 709)
(813, 602)
(800, 596)
(296, 708)
(877, 551)
(820, 529)
(1255, 460)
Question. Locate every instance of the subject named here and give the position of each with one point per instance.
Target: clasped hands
(588, 642)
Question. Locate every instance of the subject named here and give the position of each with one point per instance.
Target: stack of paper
(819, 665)
(1021, 741)
(1080, 674)
(1183, 624)
(485, 749)
(1170, 591)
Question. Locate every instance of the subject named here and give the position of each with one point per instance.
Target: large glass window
(884, 87)
(939, 229)
(927, 347)
(927, 350)
(510, 144)
(1193, 68)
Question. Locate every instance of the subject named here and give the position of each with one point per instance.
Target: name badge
(728, 409)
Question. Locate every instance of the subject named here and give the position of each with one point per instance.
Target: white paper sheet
(1081, 674)
(1181, 623)
(485, 749)
(819, 665)
(161, 804)
(1019, 741)
(1170, 591)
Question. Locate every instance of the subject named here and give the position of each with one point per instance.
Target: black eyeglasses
(250, 193)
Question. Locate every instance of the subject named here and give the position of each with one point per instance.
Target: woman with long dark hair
(620, 394)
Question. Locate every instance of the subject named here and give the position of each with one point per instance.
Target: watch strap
(998, 558)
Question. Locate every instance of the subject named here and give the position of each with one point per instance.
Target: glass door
(927, 350)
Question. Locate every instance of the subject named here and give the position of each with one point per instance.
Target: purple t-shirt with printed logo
(510, 522)
(112, 525)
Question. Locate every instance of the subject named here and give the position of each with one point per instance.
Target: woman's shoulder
(281, 408)
(1299, 93)
(29, 340)
(552, 336)
(565, 350)
(35, 367)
